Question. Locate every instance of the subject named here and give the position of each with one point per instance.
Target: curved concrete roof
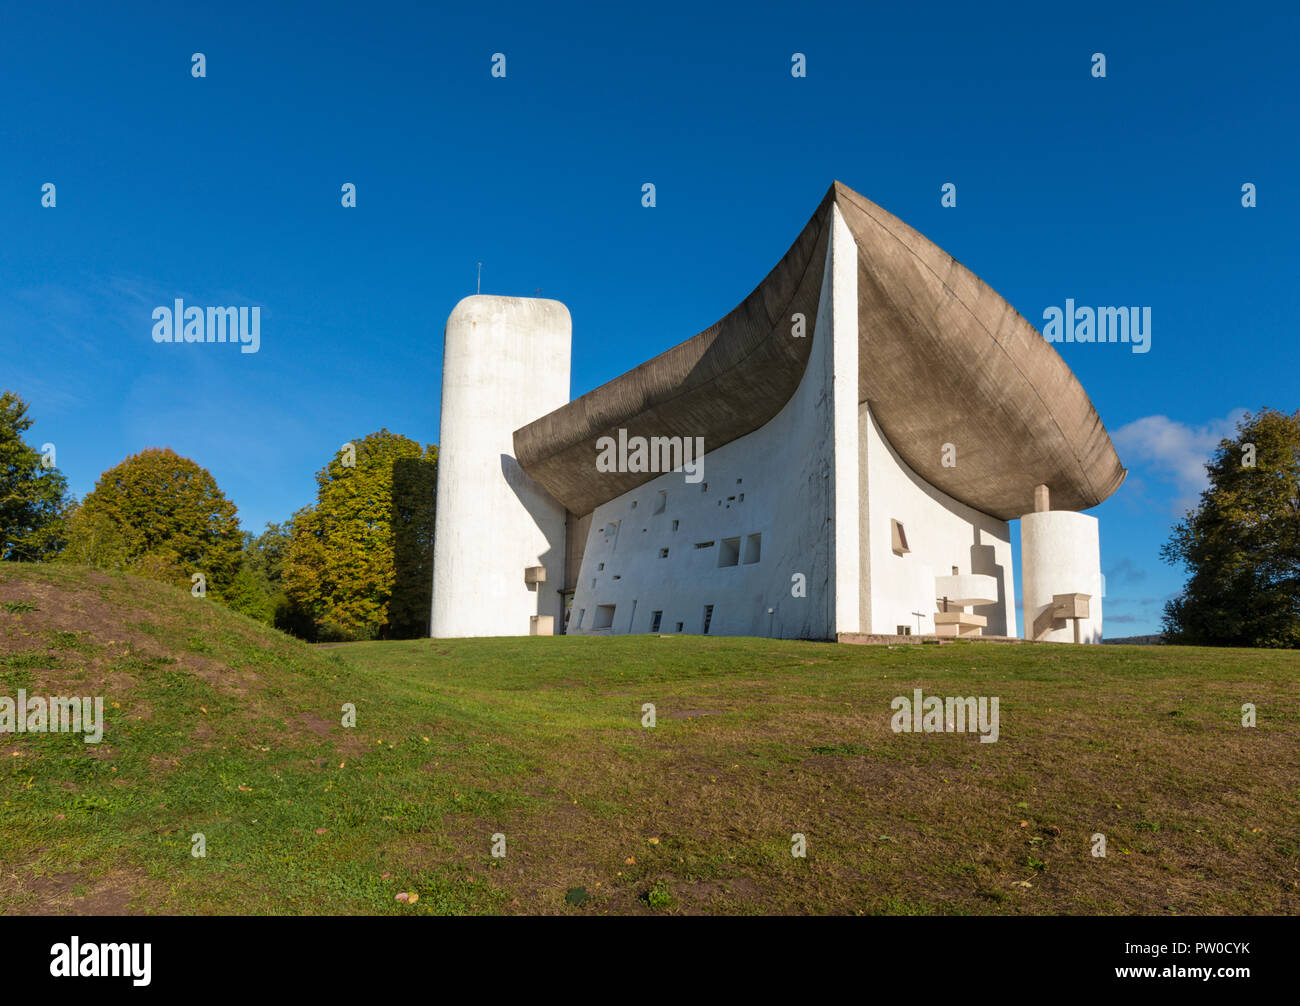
(942, 359)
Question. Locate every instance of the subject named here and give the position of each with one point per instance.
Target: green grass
(219, 727)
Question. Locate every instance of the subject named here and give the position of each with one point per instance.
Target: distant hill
(1156, 640)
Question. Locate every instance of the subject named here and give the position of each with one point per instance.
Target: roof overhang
(943, 359)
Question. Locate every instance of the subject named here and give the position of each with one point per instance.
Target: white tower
(498, 552)
(1060, 562)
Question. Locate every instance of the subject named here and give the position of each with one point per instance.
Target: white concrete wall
(1060, 553)
(505, 362)
(941, 533)
(779, 481)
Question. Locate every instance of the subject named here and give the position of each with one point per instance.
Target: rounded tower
(498, 554)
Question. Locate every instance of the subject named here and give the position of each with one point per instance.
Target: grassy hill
(218, 726)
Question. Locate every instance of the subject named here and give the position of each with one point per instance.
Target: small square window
(663, 553)
(729, 552)
(679, 626)
(604, 616)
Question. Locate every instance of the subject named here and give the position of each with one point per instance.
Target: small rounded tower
(1060, 564)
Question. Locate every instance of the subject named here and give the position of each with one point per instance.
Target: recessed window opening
(753, 548)
(708, 617)
(898, 538)
(729, 552)
(604, 616)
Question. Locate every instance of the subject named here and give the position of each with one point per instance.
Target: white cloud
(1174, 452)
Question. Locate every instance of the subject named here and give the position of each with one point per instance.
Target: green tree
(356, 559)
(162, 516)
(33, 494)
(258, 588)
(1241, 546)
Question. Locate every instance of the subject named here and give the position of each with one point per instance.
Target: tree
(33, 493)
(162, 516)
(358, 561)
(1241, 545)
(258, 588)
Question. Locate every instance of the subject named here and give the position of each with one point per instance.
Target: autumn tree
(159, 515)
(33, 493)
(1241, 546)
(359, 560)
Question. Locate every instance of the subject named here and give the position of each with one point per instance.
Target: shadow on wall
(531, 496)
(414, 505)
(982, 560)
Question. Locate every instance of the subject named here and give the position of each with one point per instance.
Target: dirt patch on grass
(73, 894)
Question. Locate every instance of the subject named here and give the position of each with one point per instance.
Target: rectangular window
(679, 626)
(753, 548)
(663, 553)
(582, 613)
(662, 503)
(904, 630)
(655, 618)
(729, 552)
(604, 616)
(708, 617)
(704, 544)
(675, 523)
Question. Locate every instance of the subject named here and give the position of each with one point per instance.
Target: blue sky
(226, 190)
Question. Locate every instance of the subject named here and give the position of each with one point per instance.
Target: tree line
(356, 564)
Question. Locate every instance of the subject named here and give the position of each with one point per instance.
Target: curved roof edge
(721, 384)
(943, 359)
